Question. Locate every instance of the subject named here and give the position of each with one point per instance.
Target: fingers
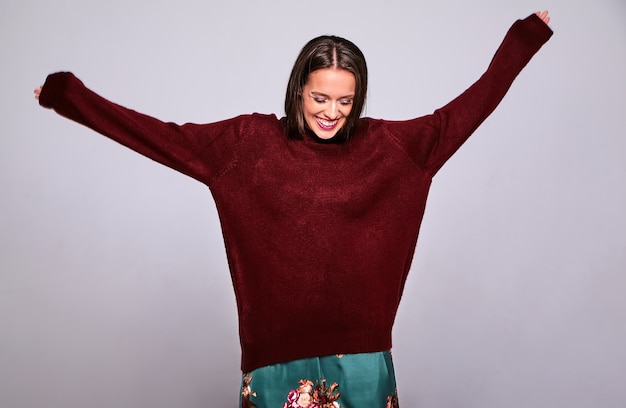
(543, 15)
(38, 92)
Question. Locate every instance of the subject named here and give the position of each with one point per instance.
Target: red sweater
(319, 237)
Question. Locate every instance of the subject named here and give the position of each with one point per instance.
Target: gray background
(114, 290)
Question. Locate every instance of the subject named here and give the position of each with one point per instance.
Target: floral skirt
(341, 381)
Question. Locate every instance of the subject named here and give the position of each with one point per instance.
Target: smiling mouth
(326, 124)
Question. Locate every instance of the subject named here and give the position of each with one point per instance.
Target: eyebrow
(315, 93)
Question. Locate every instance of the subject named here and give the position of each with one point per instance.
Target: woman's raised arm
(199, 151)
(431, 140)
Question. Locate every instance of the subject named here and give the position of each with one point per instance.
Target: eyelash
(342, 102)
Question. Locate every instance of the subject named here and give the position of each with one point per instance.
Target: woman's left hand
(543, 15)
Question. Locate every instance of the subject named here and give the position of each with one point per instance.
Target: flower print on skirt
(338, 381)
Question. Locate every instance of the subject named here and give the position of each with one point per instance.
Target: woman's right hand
(38, 92)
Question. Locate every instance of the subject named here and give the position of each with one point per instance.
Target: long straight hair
(327, 51)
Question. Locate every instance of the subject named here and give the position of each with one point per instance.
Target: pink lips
(326, 124)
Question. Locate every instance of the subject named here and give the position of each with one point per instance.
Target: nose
(332, 111)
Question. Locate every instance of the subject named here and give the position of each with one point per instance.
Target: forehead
(331, 81)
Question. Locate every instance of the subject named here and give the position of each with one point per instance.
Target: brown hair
(327, 51)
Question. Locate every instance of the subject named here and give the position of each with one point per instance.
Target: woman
(320, 211)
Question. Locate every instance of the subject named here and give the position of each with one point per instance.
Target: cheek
(308, 108)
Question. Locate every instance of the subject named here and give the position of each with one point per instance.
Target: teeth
(327, 123)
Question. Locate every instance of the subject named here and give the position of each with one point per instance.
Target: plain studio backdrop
(114, 287)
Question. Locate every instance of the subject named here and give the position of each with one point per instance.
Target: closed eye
(321, 98)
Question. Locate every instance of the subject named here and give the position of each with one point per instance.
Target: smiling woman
(327, 101)
(320, 211)
(326, 64)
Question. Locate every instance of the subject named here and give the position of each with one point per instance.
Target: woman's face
(327, 100)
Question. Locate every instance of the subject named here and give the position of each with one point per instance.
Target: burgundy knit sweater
(319, 237)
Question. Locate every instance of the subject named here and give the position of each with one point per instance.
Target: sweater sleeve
(432, 139)
(199, 151)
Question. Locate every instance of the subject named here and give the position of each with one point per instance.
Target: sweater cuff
(535, 30)
(54, 88)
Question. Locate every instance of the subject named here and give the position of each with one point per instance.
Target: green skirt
(341, 381)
